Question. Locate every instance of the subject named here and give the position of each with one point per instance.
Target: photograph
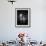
(22, 16)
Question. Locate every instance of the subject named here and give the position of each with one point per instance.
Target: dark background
(25, 14)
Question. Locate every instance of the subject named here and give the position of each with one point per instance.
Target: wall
(8, 31)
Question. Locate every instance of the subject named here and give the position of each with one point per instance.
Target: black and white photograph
(22, 17)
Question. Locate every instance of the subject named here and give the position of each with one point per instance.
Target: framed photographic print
(22, 17)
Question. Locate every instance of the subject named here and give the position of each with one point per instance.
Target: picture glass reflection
(22, 17)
